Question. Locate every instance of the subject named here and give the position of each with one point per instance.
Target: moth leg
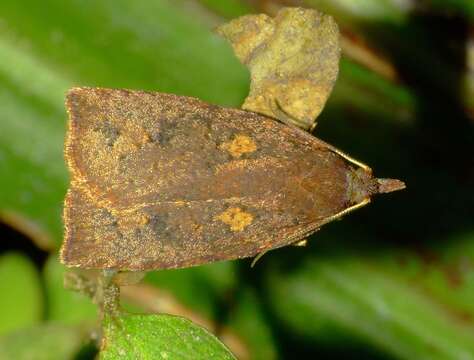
(82, 281)
(298, 243)
(258, 257)
(100, 286)
(107, 295)
(301, 243)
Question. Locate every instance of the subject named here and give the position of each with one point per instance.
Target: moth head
(363, 185)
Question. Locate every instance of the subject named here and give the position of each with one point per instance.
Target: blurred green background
(395, 280)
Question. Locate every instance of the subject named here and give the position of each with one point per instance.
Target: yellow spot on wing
(241, 144)
(237, 219)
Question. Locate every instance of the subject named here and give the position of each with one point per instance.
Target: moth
(164, 181)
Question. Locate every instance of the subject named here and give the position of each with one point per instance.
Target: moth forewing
(166, 181)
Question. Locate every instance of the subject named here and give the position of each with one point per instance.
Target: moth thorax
(361, 185)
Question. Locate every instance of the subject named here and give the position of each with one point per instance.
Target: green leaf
(408, 310)
(63, 305)
(45, 342)
(159, 337)
(21, 299)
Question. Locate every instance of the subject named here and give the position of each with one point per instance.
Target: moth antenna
(258, 257)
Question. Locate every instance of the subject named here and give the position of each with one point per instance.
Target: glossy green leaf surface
(401, 304)
(46, 342)
(159, 337)
(21, 301)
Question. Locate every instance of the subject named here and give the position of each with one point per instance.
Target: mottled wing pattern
(161, 181)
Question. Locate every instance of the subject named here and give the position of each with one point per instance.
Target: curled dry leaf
(293, 60)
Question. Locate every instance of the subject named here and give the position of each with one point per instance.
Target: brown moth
(165, 181)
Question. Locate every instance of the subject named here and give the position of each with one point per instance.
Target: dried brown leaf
(293, 60)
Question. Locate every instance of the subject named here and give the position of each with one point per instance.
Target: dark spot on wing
(109, 131)
(159, 225)
(167, 131)
(110, 222)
